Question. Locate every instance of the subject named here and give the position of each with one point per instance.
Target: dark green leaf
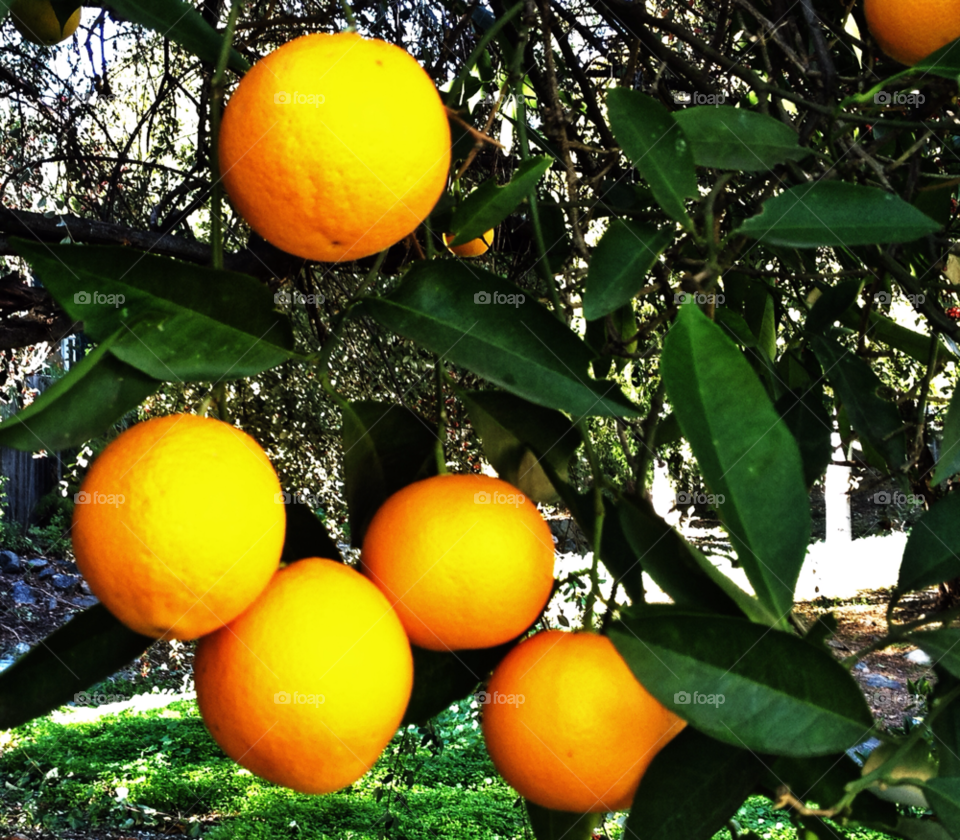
(875, 420)
(746, 684)
(182, 23)
(441, 678)
(560, 825)
(96, 393)
(944, 62)
(943, 646)
(385, 447)
(649, 135)
(917, 829)
(512, 432)
(881, 328)
(87, 649)
(499, 332)
(736, 326)
(176, 321)
(946, 725)
(831, 305)
(663, 554)
(553, 224)
(944, 797)
(747, 454)
(726, 137)
(489, 204)
(837, 213)
(810, 425)
(620, 264)
(949, 463)
(305, 536)
(63, 9)
(694, 785)
(932, 553)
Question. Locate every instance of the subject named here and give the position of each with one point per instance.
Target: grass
(159, 769)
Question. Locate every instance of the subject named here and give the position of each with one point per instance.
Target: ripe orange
(568, 725)
(466, 560)
(335, 147)
(309, 685)
(474, 248)
(177, 527)
(908, 30)
(36, 21)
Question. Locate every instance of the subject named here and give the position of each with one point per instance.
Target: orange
(309, 685)
(908, 30)
(568, 725)
(334, 147)
(177, 526)
(474, 248)
(466, 560)
(36, 21)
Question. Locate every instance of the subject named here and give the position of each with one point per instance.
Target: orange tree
(729, 227)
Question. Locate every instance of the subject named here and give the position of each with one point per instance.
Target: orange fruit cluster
(335, 147)
(304, 673)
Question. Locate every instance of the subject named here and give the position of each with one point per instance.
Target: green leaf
(949, 463)
(489, 204)
(726, 137)
(735, 325)
(496, 330)
(305, 536)
(831, 305)
(182, 23)
(560, 825)
(946, 724)
(839, 214)
(514, 433)
(663, 554)
(944, 797)
(932, 553)
(87, 649)
(918, 829)
(810, 425)
(553, 224)
(385, 448)
(650, 136)
(692, 787)
(875, 420)
(96, 393)
(746, 453)
(176, 321)
(746, 684)
(620, 264)
(881, 328)
(944, 62)
(441, 678)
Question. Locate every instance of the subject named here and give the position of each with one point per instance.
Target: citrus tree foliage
(726, 224)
